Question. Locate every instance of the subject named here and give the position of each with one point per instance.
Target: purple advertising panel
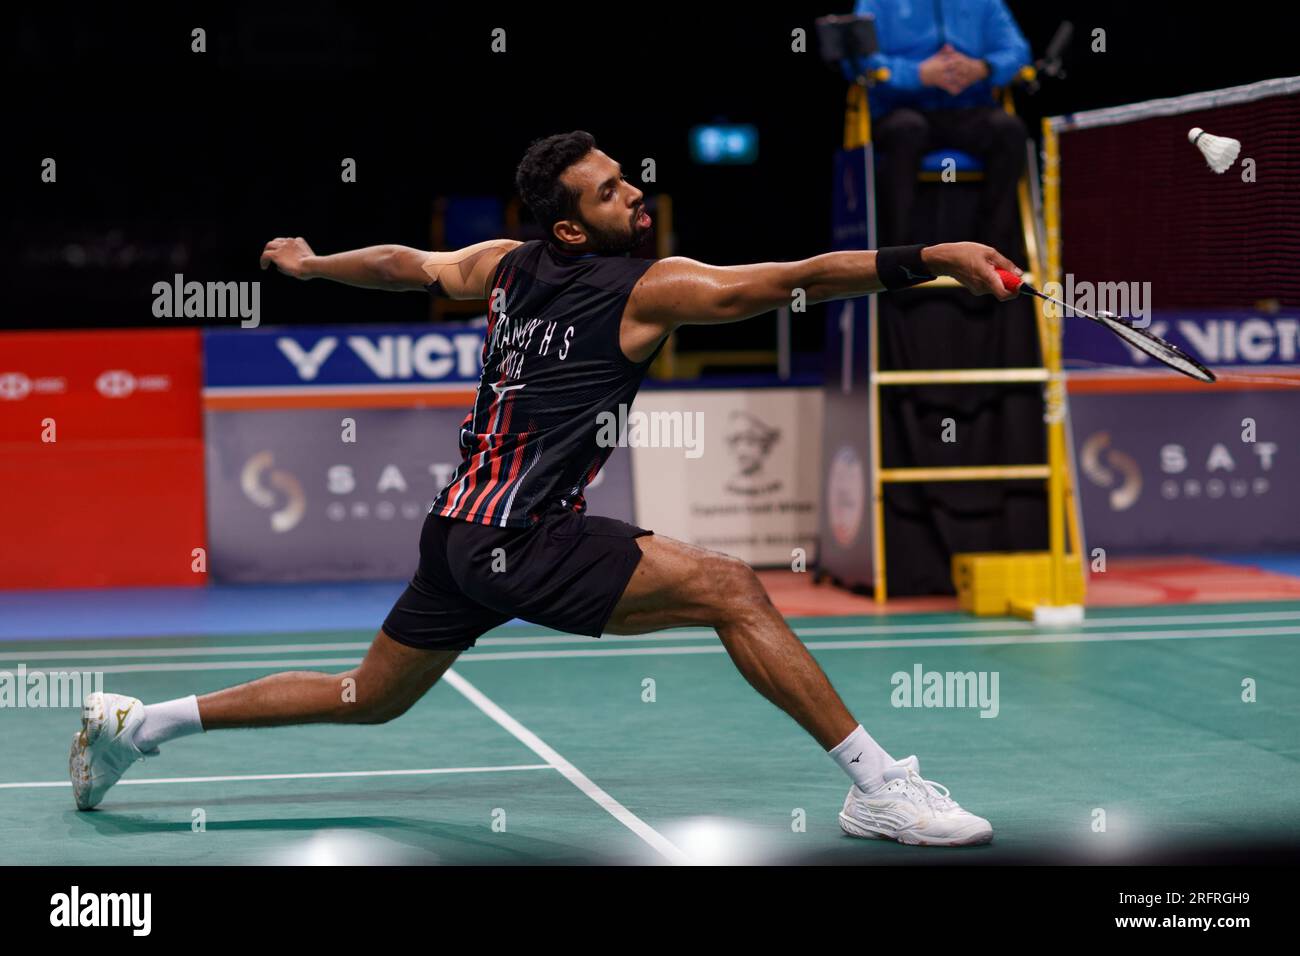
(289, 500)
(1174, 471)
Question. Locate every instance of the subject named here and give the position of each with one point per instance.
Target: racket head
(1148, 342)
(1153, 345)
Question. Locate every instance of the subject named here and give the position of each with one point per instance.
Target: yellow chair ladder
(1056, 471)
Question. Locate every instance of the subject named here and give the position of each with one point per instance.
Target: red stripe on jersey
(485, 440)
(472, 476)
(514, 473)
(495, 457)
(466, 455)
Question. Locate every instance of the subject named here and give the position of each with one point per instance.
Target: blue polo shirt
(909, 31)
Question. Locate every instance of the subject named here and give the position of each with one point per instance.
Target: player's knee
(739, 588)
(378, 713)
(361, 703)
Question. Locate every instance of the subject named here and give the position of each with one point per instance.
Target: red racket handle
(1010, 280)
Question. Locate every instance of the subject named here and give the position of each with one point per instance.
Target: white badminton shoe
(911, 810)
(105, 747)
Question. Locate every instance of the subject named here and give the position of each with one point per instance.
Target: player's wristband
(900, 266)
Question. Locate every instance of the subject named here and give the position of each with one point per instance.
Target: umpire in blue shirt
(944, 58)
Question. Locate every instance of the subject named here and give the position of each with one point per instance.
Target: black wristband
(900, 266)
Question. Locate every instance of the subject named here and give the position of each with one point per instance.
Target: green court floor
(542, 748)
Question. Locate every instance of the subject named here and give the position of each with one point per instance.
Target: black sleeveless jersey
(553, 373)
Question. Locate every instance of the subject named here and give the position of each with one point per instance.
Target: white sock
(167, 721)
(862, 759)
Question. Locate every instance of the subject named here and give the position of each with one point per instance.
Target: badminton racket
(1139, 338)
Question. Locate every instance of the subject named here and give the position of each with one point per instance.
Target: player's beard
(609, 242)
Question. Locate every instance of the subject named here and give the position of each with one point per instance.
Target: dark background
(172, 161)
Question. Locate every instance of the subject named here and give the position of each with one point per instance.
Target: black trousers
(904, 135)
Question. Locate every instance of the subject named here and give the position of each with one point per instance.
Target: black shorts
(566, 572)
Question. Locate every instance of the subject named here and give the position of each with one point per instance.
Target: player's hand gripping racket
(1153, 345)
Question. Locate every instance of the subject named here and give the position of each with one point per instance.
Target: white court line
(680, 635)
(1071, 638)
(200, 666)
(287, 776)
(1050, 638)
(172, 651)
(579, 779)
(1150, 620)
(92, 653)
(1068, 637)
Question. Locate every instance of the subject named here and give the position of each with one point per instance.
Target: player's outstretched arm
(461, 274)
(679, 291)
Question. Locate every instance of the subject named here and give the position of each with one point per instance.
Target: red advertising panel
(101, 458)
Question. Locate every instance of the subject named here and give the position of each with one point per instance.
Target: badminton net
(1139, 203)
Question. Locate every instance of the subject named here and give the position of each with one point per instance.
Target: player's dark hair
(538, 177)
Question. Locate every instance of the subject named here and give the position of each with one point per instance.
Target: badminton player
(573, 325)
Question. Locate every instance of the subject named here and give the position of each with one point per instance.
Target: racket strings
(1156, 348)
(1171, 355)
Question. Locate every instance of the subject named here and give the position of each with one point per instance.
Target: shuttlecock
(1220, 151)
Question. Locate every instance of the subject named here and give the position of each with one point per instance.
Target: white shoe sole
(910, 837)
(78, 751)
